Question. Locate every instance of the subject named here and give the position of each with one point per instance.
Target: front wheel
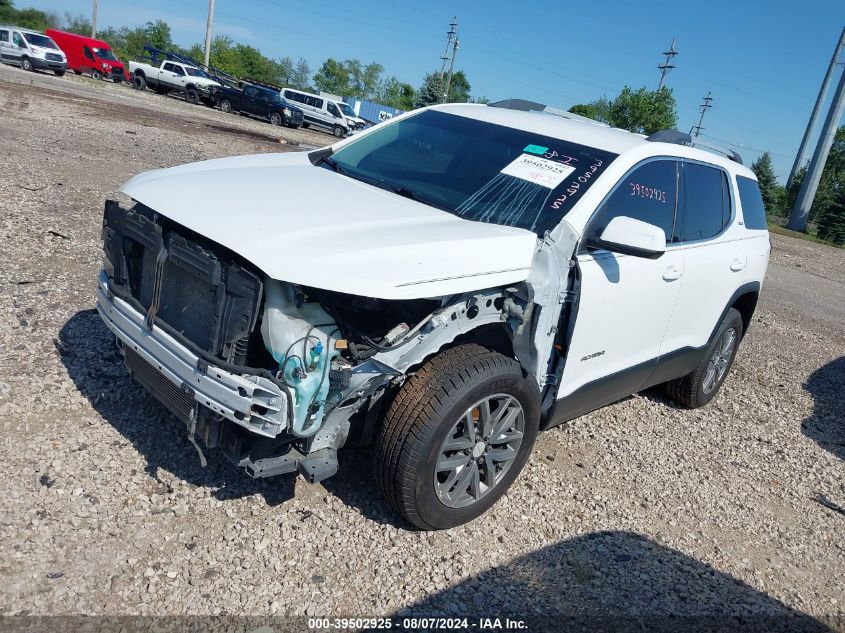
(701, 386)
(27, 65)
(338, 131)
(192, 96)
(96, 74)
(275, 118)
(59, 73)
(456, 436)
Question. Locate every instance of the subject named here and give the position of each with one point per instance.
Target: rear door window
(647, 194)
(4, 36)
(705, 204)
(753, 210)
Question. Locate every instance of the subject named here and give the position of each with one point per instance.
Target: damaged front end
(278, 375)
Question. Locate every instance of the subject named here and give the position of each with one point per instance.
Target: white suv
(446, 284)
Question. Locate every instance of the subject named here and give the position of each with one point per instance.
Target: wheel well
(745, 305)
(190, 86)
(140, 73)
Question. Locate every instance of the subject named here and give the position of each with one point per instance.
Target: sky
(762, 61)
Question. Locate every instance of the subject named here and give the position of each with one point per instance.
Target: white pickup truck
(189, 80)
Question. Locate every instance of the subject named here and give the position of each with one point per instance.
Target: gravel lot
(638, 510)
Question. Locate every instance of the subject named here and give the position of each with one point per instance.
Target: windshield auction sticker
(539, 170)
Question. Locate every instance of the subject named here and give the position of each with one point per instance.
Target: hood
(311, 226)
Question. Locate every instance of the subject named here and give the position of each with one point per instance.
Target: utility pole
(94, 19)
(455, 47)
(801, 210)
(667, 65)
(208, 30)
(704, 107)
(799, 157)
(446, 59)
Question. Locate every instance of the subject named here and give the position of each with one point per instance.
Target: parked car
(447, 284)
(86, 55)
(31, 50)
(172, 75)
(258, 101)
(334, 116)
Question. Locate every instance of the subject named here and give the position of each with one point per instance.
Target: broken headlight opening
(274, 374)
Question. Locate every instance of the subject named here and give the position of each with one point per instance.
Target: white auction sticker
(537, 169)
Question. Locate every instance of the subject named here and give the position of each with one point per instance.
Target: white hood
(311, 226)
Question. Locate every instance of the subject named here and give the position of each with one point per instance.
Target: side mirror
(631, 237)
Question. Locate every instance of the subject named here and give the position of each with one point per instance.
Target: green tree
(34, 19)
(773, 194)
(77, 24)
(598, 110)
(824, 209)
(831, 221)
(644, 111)
(363, 80)
(394, 93)
(333, 77)
(433, 86)
(300, 77)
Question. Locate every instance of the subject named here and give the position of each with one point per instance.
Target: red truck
(86, 55)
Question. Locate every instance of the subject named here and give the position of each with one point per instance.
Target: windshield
(194, 72)
(40, 40)
(105, 53)
(346, 108)
(475, 170)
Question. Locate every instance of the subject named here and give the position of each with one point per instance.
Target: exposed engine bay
(320, 360)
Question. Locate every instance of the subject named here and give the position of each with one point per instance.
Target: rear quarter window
(705, 208)
(753, 211)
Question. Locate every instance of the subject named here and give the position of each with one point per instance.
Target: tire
(444, 400)
(59, 73)
(96, 74)
(701, 386)
(305, 126)
(27, 65)
(226, 106)
(276, 118)
(140, 82)
(338, 131)
(192, 96)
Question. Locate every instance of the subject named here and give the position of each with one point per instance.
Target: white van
(335, 116)
(31, 50)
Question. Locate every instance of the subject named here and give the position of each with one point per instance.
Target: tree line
(346, 78)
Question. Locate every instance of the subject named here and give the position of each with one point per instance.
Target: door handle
(671, 273)
(737, 265)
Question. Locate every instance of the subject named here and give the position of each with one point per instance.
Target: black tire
(276, 118)
(305, 126)
(140, 82)
(226, 106)
(59, 73)
(692, 391)
(96, 74)
(192, 96)
(338, 131)
(423, 414)
(27, 65)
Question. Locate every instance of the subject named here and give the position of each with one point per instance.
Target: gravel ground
(638, 510)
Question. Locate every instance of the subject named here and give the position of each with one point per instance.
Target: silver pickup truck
(189, 80)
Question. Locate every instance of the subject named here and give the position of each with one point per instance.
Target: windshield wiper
(325, 160)
(405, 192)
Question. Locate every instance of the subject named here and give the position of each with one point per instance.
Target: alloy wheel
(719, 361)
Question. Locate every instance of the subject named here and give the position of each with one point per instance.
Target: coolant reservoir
(304, 362)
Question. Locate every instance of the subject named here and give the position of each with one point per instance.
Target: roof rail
(532, 106)
(682, 138)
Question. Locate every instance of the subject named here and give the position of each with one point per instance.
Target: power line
(704, 107)
(667, 65)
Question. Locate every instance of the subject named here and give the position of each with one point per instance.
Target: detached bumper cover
(253, 402)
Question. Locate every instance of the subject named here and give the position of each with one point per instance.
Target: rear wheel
(140, 82)
(192, 96)
(26, 64)
(456, 436)
(226, 106)
(275, 118)
(701, 386)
